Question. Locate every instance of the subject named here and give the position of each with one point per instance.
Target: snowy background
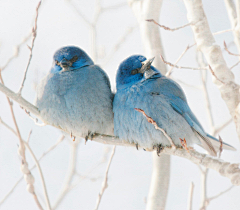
(130, 173)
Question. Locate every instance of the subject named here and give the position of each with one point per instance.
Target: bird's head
(70, 58)
(133, 69)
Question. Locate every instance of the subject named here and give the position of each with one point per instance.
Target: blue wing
(177, 99)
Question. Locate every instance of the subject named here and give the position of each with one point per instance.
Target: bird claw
(137, 146)
(89, 136)
(159, 149)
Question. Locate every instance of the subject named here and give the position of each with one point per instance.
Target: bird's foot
(137, 146)
(159, 149)
(74, 137)
(89, 136)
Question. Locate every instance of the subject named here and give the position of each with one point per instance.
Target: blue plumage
(140, 85)
(76, 95)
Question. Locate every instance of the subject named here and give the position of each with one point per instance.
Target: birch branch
(182, 67)
(34, 35)
(213, 54)
(151, 40)
(70, 174)
(167, 28)
(190, 198)
(41, 175)
(105, 184)
(226, 169)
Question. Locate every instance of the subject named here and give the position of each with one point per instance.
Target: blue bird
(141, 85)
(75, 96)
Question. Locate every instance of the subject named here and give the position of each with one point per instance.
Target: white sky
(129, 177)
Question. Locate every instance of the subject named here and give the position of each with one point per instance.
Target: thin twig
(223, 31)
(70, 174)
(34, 35)
(41, 175)
(35, 120)
(221, 193)
(116, 6)
(105, 184)
(226, 48)
(210, 68)
(167, 28)
(79, 12)
(21, 149)
(168, 74)
(33, 167)
(181, 67)
(204, 202)
(190, 198)
(118, 45)
(220, 147)
(16, 51)
(201, 63)
(221, 127)
(29, 135)
(234, 65)
(11, 191)
(150, 120)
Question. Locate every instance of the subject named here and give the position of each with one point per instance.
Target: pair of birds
(76, 97)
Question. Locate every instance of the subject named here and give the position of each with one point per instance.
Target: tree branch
(190, 198)
(34, 35)
(105, 184)
(213, 54)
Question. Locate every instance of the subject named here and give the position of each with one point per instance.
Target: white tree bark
(213, 54)
(151, 40)
(150, 33)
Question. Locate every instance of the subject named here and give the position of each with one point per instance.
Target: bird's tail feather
(216, 144)
(206, 143)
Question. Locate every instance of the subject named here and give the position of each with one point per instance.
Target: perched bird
(75, 96)
(142, 86)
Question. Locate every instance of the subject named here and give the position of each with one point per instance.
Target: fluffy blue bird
(76, 95)
(140, 85)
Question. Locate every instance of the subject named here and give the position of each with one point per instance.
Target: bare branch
(16, 51)
(220, 194)
(118, 45)
(41, 175)
(220, 147)
(70, 174)
(210, 68)
(190, 198)
(168, 74)
(105, 184)
(226, 169)
(167, 28)
(29, 135)
(234, 65)
(150, 120)
(223, 31)
(22, 102)
(204, 175)
(202, 63)
(181, 67)
(226, 48)
(213, 54)
(217, 130)
(34, 166)
(34, 35)
(116, 6)
(74, 7)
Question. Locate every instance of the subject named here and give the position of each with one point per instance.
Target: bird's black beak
(146, 65)
(65, 64)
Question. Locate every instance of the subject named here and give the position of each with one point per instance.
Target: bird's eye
(57, 63)
(74, 59)
(135, 71)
